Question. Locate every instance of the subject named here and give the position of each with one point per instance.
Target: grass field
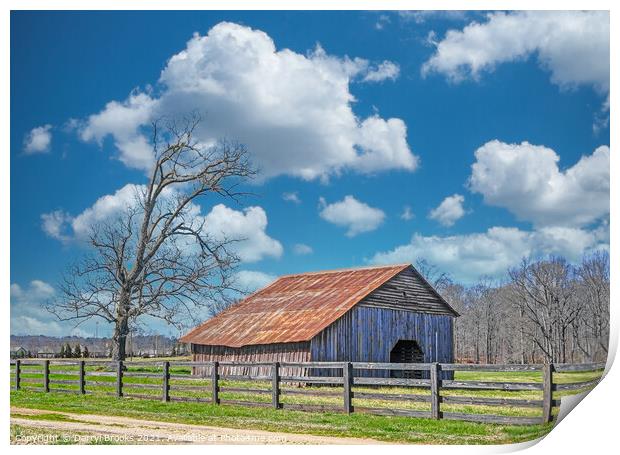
(385, 428)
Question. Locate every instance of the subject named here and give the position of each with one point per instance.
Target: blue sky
(381, 136)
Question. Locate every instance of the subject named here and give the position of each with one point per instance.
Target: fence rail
(442, 398)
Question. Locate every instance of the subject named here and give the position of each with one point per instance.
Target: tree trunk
(119, 339)
(121, 328)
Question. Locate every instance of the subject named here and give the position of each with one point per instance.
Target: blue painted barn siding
(367, 334)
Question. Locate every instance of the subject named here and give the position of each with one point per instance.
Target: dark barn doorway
(406, 351)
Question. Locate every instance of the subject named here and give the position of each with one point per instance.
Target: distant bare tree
(545, 292)
(433, 274)
(591, 331)
(156, 258)
(548, 310)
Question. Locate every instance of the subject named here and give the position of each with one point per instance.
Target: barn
(372, 314)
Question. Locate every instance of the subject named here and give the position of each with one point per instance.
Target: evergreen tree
(68, 352)
(77, 351)
(62, 352)
(85, 352)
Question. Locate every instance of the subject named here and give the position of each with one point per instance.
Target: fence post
(119, 378)
(547, 373)
(46, 376)
(18, 371)
(347, 378)
(275, 385)
(435, 387)
(82, 377)
(166, 382)
(215, 389)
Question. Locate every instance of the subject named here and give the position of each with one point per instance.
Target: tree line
(546, 310)
(77, 352)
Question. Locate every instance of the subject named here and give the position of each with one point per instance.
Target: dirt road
(83, 429)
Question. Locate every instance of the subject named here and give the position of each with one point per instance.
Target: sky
(469, 139)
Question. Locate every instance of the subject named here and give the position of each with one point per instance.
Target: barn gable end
(408, 291)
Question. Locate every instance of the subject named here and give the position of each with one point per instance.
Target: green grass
(396, 429)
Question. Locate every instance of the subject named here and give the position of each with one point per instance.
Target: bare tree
(157, 257)
(433, 274)
(591, 329)
(545, 292)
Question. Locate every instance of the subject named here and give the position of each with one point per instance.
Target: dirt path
(134, 431)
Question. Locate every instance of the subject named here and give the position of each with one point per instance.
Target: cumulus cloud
(468, 257)
(450, 210)
(293, 111)
(572, 45)
(250, 225)
(55, 223)
(302, 249)
(526, 180)
(356, 216)
(122, 121)
(250, 280)
(247, 227)
(38, 140)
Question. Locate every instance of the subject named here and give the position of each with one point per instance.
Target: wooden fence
(290, 379)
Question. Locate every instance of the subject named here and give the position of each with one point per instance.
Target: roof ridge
(346, 269)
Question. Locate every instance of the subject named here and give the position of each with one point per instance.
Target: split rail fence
(348, 392)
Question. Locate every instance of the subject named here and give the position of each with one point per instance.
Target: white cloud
(55, 223)
(419, 17)
(246, 227)
(526, 180)
(37, 291)
(601, 119)
(105, 208)
(293, 111)
(450, 210)
(28, 316)
(291, 197)
(302, 249)
(407, 213)
(572, 45)
(65, 227)
(468, 257)
(356, 216)
(38, 140)
(383, 71)
(122, 120)
(250, 280)
(250, 225)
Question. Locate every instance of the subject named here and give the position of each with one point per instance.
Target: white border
(592, 427)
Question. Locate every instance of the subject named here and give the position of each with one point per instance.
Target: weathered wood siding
(407, 291)
(278, 352)
(367, 334)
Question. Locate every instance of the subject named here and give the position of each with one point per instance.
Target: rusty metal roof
(292, 308)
